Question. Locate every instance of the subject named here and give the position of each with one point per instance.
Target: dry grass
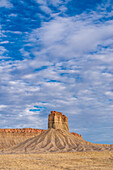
(57, 161)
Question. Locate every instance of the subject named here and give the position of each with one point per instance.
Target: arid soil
(58, 161)
(56, 140)
(12, 137)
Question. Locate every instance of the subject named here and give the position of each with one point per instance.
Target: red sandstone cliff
(24, 130)
(76, 134)
(58, 121)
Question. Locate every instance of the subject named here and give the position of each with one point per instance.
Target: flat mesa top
(58, 121)
(55, 112)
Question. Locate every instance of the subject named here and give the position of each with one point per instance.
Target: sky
(57, 55)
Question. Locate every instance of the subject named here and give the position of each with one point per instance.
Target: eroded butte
(56, 138)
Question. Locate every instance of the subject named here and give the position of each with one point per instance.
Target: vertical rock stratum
(58, 121)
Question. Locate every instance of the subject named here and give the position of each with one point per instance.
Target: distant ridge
(12, 137)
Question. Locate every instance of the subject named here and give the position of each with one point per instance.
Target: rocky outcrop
(12, 137)
(30, 132)
(57, 140)
(24, 130)
(58, 121)
(76, 134)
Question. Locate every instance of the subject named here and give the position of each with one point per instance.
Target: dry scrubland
(54, 149)
(57, 161)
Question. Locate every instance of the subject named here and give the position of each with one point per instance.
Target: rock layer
(12, 137)
(57, 140)
(58, 121)
(24, 130)
(76, 134)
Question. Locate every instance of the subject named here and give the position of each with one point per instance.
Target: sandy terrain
(56, 140)
(57, 161)
(12, 137)
(53, 149)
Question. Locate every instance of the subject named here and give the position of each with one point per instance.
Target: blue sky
(57, 55)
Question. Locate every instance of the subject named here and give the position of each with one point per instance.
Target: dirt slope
(57, 140)
(12, 137)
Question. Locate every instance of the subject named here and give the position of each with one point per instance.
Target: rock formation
(76, 134)
(58, 121)
(24, 130)
(12, 137)
(55, 139)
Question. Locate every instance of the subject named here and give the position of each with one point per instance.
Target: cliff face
(58, 121)
(24, 131)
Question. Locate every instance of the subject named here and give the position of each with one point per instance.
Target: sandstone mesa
(56, 138)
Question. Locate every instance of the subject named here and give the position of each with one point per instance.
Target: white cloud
(13, 15)
(45, 9)
(4, 42)
(5, 3)
(70, 37)
(56, 3)
(2, 50)
(109, 93)
(45, 6)
(3, 106)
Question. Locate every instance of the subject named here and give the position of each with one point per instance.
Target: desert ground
(55, 161)
(53, 149)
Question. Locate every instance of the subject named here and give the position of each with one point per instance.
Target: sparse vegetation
(57, 161)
